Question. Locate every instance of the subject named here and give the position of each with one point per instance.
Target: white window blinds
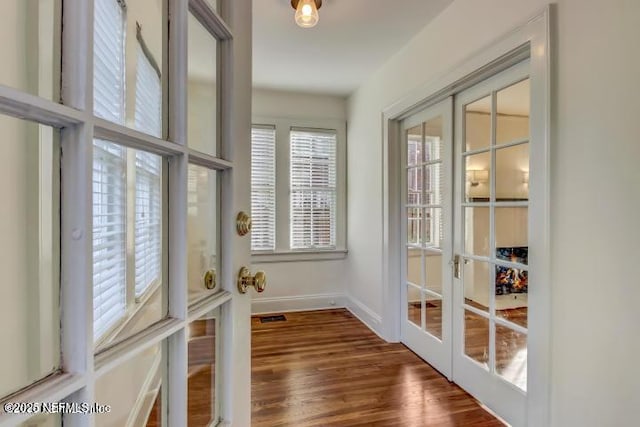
(148, 114)
(148, 226)
(313, 188)
(109, 63)
(109, 235)
(263, 187)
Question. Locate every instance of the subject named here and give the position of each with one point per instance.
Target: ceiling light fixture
(306, 12)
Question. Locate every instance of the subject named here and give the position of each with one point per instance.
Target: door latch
(457, 267)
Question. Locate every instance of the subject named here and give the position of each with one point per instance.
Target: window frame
(283, 251)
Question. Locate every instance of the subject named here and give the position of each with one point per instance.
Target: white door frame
(531, 40)
(78, 126)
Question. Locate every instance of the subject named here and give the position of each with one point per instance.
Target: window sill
(298, 256)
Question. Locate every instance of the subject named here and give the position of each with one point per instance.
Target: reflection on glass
(127, 266)
(512, 173)
(476, 231)
(477, 281)
(414, 226)
(203, 346)
(414, 186)
(433, 315)
(433, 139)
(433, 184)
(433, 268)
(43, 420)
(128, 49)
(434, 229)
(512, 234)
(477, 174)
(414, 305)
(512, 119)
(478, 124)
(133, 390)
(202, 74)
(414, 266)
(476, 338)
(29, 254)
(202, 229)
(31, 46)
(511, 356)
(414, 146)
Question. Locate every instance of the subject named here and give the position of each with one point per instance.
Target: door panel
(427, 275)
(491, 242)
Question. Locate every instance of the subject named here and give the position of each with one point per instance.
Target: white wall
(300, 284)
(595, 176)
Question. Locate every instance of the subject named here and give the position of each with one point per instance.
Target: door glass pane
(477, 282)
(477, 173)
(213, 4)
(414, 226)
(202, 75)
(434, 269)
(414, 266)
(43, 420)
(512, 120)
(433, 185)
(476, 337)
(127, 242)
(202, 231)
(511, 356)
(414, 186)
(30, 46)
(476, 231)
(128, 49)
(414, 305)
(512, 234)
(203, 348)
(433, 139)
(29, 253)
(512, 173)
(134, 390)
(433, 315)
(414, 146)
(478, 124)
(434, 228)
(512, 288)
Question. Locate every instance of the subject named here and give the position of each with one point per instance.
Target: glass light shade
(307, 14)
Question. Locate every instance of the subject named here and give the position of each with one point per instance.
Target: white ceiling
(352, 39)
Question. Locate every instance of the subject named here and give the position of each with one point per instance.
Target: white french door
(466, 231)
(129, 160)
(427, 227)
(492, 231)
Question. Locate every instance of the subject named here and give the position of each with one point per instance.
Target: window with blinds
(263, 188)
(109, 235)
(109, 63)
(148, 113)
(148, 225)
(313, 188)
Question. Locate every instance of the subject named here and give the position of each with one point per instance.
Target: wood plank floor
(325, 368)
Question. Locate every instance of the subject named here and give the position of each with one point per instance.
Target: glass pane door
(490, 301)
(427, 224)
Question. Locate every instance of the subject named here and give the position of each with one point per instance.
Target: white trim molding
(367, 316)
(531, 40)
(298, 303)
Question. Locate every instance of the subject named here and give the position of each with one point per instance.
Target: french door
(466, 270)
(129, 160)
(427, 157)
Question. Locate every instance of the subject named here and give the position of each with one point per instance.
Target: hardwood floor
(325, 368)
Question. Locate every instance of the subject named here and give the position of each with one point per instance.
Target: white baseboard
(367, 316)
(298, 303)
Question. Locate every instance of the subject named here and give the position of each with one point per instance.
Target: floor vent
(269, 319)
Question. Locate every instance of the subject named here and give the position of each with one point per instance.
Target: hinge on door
(456, 266)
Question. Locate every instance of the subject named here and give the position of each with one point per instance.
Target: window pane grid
(313, 189)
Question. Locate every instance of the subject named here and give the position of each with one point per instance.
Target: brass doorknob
(245, 279)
